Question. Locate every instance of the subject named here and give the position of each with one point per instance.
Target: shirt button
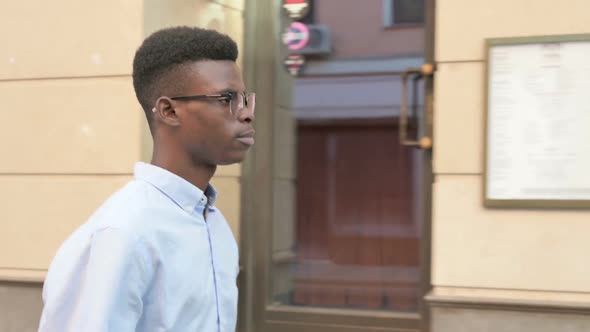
(204, 200)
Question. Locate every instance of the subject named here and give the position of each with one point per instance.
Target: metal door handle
(424, 142)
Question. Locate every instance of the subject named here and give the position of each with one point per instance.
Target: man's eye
(225, 100)
(229, 97)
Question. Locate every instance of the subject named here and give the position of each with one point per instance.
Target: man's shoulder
(126, 208)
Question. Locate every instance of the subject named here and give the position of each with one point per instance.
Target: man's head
(187, 62)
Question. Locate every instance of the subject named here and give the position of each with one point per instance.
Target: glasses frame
(228, 95)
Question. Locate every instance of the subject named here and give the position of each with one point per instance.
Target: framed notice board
(537, 137)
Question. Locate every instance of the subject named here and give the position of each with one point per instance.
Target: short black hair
(166, 50)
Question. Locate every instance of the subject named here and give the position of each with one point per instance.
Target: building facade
(341, 227)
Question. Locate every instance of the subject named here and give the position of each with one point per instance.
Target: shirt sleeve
(112, 283)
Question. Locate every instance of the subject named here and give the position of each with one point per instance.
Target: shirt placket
(205, 203)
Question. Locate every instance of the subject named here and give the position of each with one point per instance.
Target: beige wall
(478, 252)
(72, 129)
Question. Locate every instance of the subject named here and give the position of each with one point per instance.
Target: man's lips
(247, 137)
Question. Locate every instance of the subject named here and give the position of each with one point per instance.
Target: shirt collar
(183, 193)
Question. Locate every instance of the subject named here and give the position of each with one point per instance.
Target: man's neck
(197, 174)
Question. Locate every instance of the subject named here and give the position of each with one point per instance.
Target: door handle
(424, 142)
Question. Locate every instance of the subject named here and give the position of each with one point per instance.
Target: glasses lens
(237, 102)
(240, 100)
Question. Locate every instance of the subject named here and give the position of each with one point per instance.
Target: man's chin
(234, 159)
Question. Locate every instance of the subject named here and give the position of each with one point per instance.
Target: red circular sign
(297, 36)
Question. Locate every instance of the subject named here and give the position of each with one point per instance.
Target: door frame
(257, 312)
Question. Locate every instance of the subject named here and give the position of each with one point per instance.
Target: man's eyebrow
(230, 90)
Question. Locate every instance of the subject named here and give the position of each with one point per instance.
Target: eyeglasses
(237, 100)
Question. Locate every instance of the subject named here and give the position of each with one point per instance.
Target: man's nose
(246, 115)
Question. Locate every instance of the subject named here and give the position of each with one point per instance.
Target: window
(400, 12)
(336, 224)
(357, 237)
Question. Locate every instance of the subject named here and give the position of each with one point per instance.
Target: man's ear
(164, 111)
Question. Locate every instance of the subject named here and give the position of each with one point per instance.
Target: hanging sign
(294, 64)
(296, 9)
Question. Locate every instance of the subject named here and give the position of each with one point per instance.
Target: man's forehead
(217, 74)
(216, 67)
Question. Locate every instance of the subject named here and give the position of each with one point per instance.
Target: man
(158, 255)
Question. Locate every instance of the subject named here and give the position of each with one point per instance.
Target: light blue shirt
(147, 260)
